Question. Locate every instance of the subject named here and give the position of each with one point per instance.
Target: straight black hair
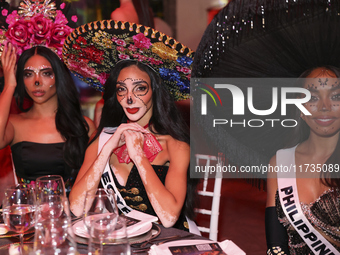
(69, 120)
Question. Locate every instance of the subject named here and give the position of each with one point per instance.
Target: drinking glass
(100, 214)
(18, 210)
(50, 185)
(116, 244)
(53, 231)
(51, 207)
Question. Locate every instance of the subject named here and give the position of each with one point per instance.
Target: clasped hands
(132, 135)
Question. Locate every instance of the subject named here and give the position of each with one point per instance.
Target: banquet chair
(215, 194)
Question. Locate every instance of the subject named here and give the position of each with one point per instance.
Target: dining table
(162, 234)
(140, 244)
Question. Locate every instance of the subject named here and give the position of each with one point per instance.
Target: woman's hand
(8, 61)
(134, 142)
(118, 138)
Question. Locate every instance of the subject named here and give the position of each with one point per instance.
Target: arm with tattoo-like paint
(167, 200)
(93, 166)
(8, 61)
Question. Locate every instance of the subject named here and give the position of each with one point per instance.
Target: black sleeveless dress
(32, 160)
(135, 195)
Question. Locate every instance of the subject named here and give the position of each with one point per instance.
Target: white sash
(290, 203)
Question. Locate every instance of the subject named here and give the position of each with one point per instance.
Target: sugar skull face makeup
(134, 93)
(324, 104)
(39, 78)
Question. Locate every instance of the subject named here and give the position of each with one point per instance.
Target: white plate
(132, 231)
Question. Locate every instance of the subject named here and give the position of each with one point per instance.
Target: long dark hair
(302, 132)
(69, 120)
(165, 120)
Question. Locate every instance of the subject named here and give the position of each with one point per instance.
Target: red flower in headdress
(40, 29)
(18, 33)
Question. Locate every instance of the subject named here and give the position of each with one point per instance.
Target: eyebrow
(35, 69)
(133, 82)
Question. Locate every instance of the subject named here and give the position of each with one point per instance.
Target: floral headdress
(93, 49)
(37, 22)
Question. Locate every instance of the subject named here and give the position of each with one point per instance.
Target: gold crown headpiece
(37, 22)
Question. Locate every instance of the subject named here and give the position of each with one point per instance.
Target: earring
(129, 100)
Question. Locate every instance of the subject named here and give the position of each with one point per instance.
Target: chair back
(210, 162)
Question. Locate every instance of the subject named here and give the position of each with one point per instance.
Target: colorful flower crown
(36, 23)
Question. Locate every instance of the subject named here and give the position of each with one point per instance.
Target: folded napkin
(227, 246)
(151, 148)
(143, 218)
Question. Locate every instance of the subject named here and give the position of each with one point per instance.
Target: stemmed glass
(18, 210)
(100, 214)
(50, 185)
(53, 228)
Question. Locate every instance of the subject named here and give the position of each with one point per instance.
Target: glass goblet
(50, 185)
(53, 232)
(100, 214)
(18, 210)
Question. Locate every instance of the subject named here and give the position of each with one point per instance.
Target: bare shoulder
(18, 119)
(173, 144)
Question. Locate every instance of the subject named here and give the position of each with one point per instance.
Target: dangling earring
(129, 100)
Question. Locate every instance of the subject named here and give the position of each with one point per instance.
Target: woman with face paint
(50, 135)
(314, 152)
(148, 154)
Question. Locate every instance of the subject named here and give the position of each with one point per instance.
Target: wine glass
(117, 244)
(50, 185)
(53, 231)
(18, 210)
(100, 214)
(50, 207)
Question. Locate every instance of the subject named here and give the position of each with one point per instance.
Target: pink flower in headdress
(18, 34)
(121, 48)
(141, 57)
(141, 41)
(74, 18)
(132, 48)
(12, 18)
(4, 12)
(155, 61)
(103, 77)
(82, 68)
(58, 34)
(60, 18)
(123, 56)
(120, 42)
(183, 69)
(40, 29)
(62, 6)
